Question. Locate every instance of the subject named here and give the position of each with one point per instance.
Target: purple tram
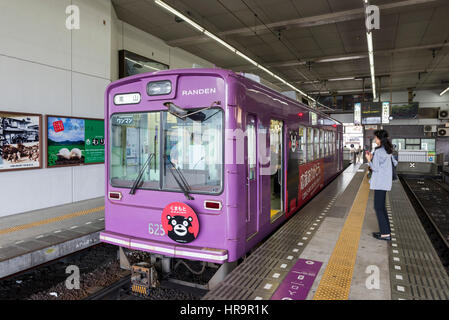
(202, 164)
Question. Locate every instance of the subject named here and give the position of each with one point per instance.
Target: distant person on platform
(358, 153)
(381, 163)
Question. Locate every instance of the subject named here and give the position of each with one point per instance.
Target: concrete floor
(49, 213)
(372, 256)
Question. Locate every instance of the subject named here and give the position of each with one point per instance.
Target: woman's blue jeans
(381, 211)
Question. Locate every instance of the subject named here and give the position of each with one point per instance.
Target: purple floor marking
(298, 281)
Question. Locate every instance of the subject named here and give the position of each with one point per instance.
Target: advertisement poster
(74, 141)
(20, 144)
(311, 179)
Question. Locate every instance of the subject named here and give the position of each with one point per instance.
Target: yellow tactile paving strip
(336, 281)
(50, 220)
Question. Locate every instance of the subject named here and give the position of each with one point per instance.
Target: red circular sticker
(180, 222)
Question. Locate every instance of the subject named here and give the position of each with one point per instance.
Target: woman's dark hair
(384, 141)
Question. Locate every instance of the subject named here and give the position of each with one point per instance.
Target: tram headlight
(158, 88)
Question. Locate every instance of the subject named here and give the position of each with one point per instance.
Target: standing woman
(381, 163)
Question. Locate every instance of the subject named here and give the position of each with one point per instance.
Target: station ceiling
(318, 45)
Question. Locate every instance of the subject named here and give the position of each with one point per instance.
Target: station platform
(33, 238)
(326, 251)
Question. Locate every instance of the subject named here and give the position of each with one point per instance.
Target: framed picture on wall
(131, 64)
(73, 141)
(20, 141)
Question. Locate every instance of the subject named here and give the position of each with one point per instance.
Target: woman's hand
(369, 156)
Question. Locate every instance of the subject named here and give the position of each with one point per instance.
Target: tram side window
(333, 142)
(326, 142)
(302, 133)
(322, 149)
(309, 144)
(316, 143)
(251, 130)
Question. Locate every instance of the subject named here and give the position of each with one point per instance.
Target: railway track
(430, 199)
(113, 291)
(120, 290)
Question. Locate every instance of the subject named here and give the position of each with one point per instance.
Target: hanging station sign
(313, 118)
(357, 113)
(385, 112)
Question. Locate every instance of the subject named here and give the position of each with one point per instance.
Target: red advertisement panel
(311, 180)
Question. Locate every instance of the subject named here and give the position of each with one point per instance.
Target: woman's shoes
(378, 236)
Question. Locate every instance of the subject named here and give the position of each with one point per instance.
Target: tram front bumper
(166, 249)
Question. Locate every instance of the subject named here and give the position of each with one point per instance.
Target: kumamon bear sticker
(180, 222)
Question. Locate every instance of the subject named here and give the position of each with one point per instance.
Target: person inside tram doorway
(381, 163)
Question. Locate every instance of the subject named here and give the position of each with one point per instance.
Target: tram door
(252, 212)
(276, 168)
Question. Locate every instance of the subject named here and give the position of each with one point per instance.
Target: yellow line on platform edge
(50, 220)
(336, 281)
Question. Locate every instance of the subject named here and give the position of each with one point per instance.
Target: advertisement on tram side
(311, 179)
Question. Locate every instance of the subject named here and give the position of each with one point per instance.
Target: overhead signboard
(313, 118)
(385, 112)
(357, 113)
(371, 113)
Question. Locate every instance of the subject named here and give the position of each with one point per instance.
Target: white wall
(47, 69)
(426, 99)
(127, 37)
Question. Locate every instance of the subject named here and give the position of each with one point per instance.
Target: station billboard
(74, 141)
(20, 141)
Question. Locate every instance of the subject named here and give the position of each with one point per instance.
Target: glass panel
(309, 144)
(302, 133)
(132, 64)
(332, 142)
(251, 130)
(276, 147)
(428, 144)
(316, 143)
(194, 146)
(134, 136)
(398, 144)
(322, 148)
(412, 141)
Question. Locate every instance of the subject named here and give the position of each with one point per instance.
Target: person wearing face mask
(381, 163)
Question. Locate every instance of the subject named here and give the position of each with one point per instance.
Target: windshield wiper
(183, 185)
(183, 114)
(140, 175)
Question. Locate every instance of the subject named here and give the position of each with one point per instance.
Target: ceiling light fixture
(369, 40)
(444, 91)
(341, 79)
(230, 47)
(340, 59)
